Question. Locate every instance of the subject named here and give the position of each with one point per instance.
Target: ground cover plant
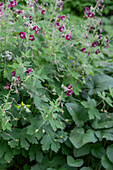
(56, 88)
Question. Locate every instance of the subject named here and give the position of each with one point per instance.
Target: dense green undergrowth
(56, 88)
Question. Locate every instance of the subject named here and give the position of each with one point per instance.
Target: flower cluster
(31, 37)
(94, 30)
(62, 28)
(16, 79)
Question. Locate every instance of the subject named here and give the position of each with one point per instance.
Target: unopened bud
(43, 131)
(36, 130)
(59, 99)
(61, 104)
(46, 116)
(69, 108)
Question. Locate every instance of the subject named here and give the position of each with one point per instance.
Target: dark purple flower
(91, 29)
(100, 23)
(86, 36)
(1, 3)
(102, 8)
(107, 40)
(61, 28)
(12, 4)
(27, 25)
(90, 14)
(94, 44)
(102, 29)
(19, 12)
(98, 51)
(70, 86)
(86, 10)
(13, 73)
(8, 86)
(1, 12)
(57, 24)
(39, 8)
(43, 12)
(36, 28)
(68, 37)
(88, 54)
(22, 35)
(63, 35)
(32, 38)
(18, 78)
(31, 5)
(83, 50)
(29, 70)
(99, 4)
(100, 36)
(62, 17)
(60, 6)
(30, 17)
(69, 92)
(107, 45)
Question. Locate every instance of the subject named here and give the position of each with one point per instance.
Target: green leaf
(106, 163)
(79, 138)
(5, 123)
(74, 163)
(36, 167)
(7, 106)
(65, 150)
(78, 113)
(24, 143)
(2, 149)
(8, 154)
(93, 113)
(13, 143)
(109, 152)
(100, 125)
(107, 99)
(97, 151)
(55, 146)
(107, 134)
(99, 82)
(85, 168)
(34, 129)
(106, 121)
(25, 153)
(27, 167)
(47, 143)
(84, 150)
(55, 124)
(39, 155)
(90, 104)
(32, 152)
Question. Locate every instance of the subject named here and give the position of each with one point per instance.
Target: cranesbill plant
(45, 63)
